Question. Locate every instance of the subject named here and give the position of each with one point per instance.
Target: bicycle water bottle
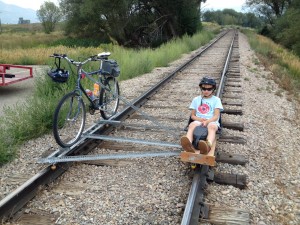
(90, 94)
(96, 90)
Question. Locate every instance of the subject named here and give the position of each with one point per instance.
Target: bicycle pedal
(91, 110)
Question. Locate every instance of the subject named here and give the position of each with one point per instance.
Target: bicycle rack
(90, 134)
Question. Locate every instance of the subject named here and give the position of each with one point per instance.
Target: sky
(31, 4)
(210, 4)
(222, 4)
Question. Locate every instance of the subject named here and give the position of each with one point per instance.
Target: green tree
(269, 9)
(49, 15)
(231, 17)
(281, 19)
(287, 28)
(132, 22)
(250, 20)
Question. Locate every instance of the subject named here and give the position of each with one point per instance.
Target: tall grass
(25, 40)
(284, 64)
(135, 62)
(30, 120)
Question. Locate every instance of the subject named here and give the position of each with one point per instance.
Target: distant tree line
(276, 19)
(231, 17)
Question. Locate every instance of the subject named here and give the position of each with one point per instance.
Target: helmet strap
(57, 64)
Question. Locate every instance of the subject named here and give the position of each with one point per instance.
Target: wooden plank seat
(208, 159)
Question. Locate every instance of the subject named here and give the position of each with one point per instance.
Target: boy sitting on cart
(206, 110)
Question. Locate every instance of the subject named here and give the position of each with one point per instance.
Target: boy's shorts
(199, 123)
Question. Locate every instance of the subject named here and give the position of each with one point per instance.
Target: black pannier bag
(200, 133)
(110, 67)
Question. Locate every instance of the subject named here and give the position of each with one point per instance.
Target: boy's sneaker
(187, 145)
(204, 146)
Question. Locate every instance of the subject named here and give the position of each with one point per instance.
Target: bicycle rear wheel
(69, 120)
(109, 99)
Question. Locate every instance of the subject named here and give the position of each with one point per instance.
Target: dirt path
(18, 92)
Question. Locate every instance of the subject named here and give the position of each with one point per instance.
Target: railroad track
(195, 208)
(160, 123)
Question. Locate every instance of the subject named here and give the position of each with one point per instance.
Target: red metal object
(17, 73)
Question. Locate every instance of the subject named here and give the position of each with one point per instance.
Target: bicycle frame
(82, 74)
(79, 86)
(99, 81)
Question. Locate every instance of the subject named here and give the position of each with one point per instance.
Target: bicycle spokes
(69, 120)
(109, 98)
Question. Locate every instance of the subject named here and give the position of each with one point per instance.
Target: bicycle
(70, 113)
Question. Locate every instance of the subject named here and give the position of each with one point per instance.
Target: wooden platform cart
(195, 158)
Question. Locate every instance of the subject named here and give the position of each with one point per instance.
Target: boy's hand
(202, 120)
(205, 123)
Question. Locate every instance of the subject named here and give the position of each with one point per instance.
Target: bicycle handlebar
(99, 57)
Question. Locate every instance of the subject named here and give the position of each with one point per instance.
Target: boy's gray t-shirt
(206, 110)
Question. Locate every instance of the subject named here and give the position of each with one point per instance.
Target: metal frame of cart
(16, 74)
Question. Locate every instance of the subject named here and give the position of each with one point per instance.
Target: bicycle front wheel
(69, 120)
(109, 98)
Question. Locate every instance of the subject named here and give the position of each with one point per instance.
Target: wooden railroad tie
(227, 215)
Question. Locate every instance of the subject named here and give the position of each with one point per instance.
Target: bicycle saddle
(104, 54)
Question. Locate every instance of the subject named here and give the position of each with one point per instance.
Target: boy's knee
(194, 124)
(212, 126)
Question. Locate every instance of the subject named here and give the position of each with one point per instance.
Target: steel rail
(225, 69)
(17, 199)
(195, 202)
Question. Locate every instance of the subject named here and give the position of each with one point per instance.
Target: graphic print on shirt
(204, 108)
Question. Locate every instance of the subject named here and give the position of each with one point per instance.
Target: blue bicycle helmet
(59, 75)
(209, 81)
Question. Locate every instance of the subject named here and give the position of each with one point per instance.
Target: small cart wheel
(53, 167)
